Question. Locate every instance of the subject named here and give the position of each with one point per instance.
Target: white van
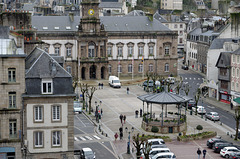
(114, 82)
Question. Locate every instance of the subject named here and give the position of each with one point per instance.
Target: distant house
(48, 104)
(235, 75)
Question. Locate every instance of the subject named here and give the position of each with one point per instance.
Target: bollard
(106, 135)
(231, 136)
(102, 132)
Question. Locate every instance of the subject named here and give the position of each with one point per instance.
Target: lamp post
(129, 133)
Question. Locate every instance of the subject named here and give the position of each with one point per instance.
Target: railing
(94, 59)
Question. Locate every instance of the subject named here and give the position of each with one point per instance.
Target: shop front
(225, 97)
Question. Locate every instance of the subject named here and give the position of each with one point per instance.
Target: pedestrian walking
(204, 153)
(136, 113)
(127, 90)
(101, 111)
(231, 105)
(121, 135)
(120, 129)
(102, 85)
(121, 118)
(199, 153)
(140, 112)
(124, 118)
(116, 136)
(99, 85)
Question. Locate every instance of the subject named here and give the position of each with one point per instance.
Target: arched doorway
(92, 72)
(83, 73)
(102, 72)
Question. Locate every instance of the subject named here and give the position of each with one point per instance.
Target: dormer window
(47, 86)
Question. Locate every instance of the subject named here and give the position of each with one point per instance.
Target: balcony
(94, 59)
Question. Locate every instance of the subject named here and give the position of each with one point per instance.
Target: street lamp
(128, 144)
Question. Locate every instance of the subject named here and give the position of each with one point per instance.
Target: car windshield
(215, 114)
(116, 81)
(88, 153)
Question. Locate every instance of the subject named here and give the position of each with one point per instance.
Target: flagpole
(118, 69)
(143, 68)
(132, 67)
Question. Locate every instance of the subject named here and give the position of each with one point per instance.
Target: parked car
(220, 145)
(225, 152)
(165, 155)
(212, 141)
(77, 107)
(87, 153)
(191, 104)
(148, 83)
(171, 80)
(156, 141)
(212, 116)
(155, 151)
(185, 67)
(200, 109)
(159, 146)
(234, 155)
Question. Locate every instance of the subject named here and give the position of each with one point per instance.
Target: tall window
(237, 73)
(69, 69)
(130, 51)
(140, 50)
(181, 26)
(233, 71)
(57, 50)
(12, 99)
(150, 67)
(236, 86)
(11, 75)
(109, 51)
(150, 50)
(119, 68)
(12, 128)
(238, 59)
(140, 68)
(47, 86)
(130, 68)
(110, 69)
(233, 58)
(38, 139)
(38, 113)
(69, 51)
(56, 110)
(167, 50)
(56, 138)
(166, 68)
(91, 50)
(233, 84)
(120, 51)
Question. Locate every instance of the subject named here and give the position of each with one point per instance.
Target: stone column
(98, 53)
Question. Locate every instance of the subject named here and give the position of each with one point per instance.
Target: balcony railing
(94, 59)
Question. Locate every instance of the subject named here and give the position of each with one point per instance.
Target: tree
(75, 83)
(146, 148)
(90, 93)
(148, 78)
(137, 143)
(197, 96)
(237, 118)
(179, 85)
(83, 88)
(186, 89)
(154, 77)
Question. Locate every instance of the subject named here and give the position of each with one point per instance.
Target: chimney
(71, 16)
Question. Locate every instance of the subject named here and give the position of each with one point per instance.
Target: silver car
(212, 116)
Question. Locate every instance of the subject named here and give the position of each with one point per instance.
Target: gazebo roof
(164, 98)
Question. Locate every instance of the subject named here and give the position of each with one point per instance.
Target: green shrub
(154, 129)
(199, 127)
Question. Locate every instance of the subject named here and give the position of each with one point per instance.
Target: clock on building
(90, 11)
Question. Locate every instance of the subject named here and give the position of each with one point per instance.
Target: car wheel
(227, 156)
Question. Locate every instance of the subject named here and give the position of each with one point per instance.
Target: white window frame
(130, 68)
(91, 50)
(233, 72)
(151, 50)
(57, 50)
(119, 68)
(38, 113)
(69, 51)
(12, 100)
(38, 139)
(167, 50)
(12, 128)
(109, 51)
(130, 50)
(140, 51)
(140, 68)
(120, 51)
(110, 69)
(56, 138)
(166, 67)
(56, 112)
(11, 74)
(150, 67)
(45, 83)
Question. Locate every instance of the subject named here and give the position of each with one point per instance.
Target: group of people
(100, 85)
(123, 121)
(199, 152)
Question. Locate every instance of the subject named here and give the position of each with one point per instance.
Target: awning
(7, 149)
(237, 100)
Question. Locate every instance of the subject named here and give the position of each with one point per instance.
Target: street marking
(82, 138)
(76, 139)
(81, 121)
(89, 138)
(96, 137)
(194, 78)
(190, 78)
(186, 78)
(199, 79)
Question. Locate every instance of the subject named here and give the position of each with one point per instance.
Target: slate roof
(160, 18)
(111, 24)
(110, 5)
(39, 64)
(4, 32)
(28, 6)
(218, 43)
(226, 56)
(136, 13)
(237, 52)
(164, 98)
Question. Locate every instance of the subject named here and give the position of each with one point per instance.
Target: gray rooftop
(237, 52)
(218, 43)
(110, 5)
(40, 64)
(111, 24)
(160, 18)
(4, 32)
(28, 6)
(226, 57)
(136, 13)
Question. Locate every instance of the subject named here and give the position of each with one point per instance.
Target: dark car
(185, 67)
(219, 145)
(234, 155)
(149, 83)
(212, 141)
(191, 104)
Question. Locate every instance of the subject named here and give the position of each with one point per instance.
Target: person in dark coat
(204, 153)
(121, 135)
(124, 118)
(121, 118)
(120, 129)
(127, 90)
(136, 113)
(199, 153)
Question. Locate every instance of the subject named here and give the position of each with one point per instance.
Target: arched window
(140, 68)
(150, 67)
(91, 50)
(166, 68)
(130, 68)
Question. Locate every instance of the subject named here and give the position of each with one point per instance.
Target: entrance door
(92, 72)
(83, 73)
(102, 72)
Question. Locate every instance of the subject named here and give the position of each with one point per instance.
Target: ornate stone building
(95, 47)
